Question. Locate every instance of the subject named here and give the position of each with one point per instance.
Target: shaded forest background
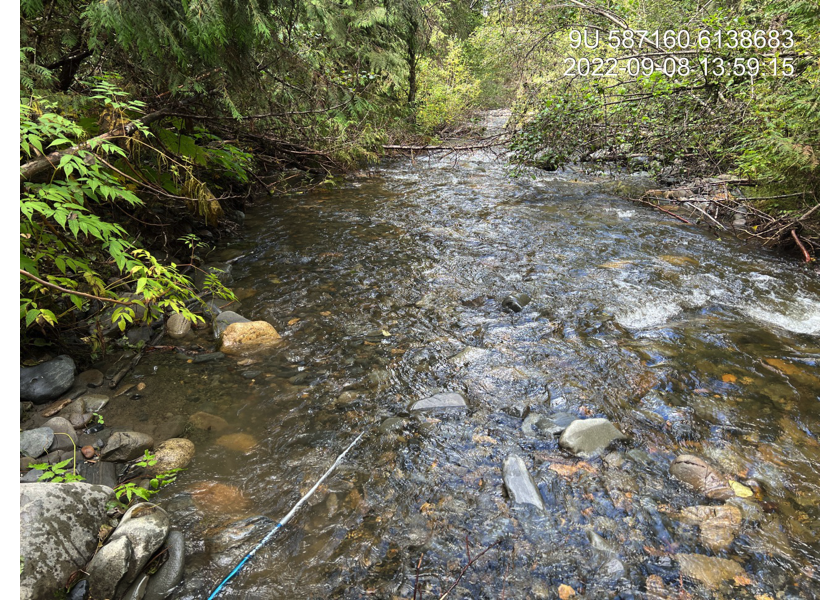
(139, 120)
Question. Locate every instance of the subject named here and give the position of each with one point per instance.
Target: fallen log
(35, 167)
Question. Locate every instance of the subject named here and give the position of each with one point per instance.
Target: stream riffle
(388, 288)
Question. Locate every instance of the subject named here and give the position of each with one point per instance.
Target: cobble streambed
(388, 288)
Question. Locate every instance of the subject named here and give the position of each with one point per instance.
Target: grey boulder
(47, 381)
(145, 526)
(589, 437)
(35, 442)
(59, 524)
(167, 578)
(106, 570)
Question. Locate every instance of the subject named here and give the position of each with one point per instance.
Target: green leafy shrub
(446, 88)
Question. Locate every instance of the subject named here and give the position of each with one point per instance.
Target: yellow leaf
(729, 378)
(385, 333)
(742, 580)
(326, 313)
(565, 591)
(740, 489)
(293, 321)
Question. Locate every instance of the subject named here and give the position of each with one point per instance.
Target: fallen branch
(470, 562)
(72, 292)
(34, 167)
(801, 247)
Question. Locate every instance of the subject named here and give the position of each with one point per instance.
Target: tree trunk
(412, 75)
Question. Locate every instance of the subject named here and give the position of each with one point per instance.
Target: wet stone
(393, 425)
(95, 402)
(208, 422)
(519, 483)
(244, 337)
(167, 578)
(177, 326)
(145, 525)
(90, 379)
(445, 401)
(100, 473)
(699, 475)
(126, 445)
(175, 453)
(590, 437)
(47, 381)
(516, 302)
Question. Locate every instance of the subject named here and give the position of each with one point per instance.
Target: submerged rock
(238, 442)
(47, 381)
(718, 524)
(208, 422)
(448, 400)
(708, 570)
(550, 426)
(218, 498)
(589, 437)
(519, 483)
(699, 475)
(59, 524)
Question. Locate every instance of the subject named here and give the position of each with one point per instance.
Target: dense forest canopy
(134, 114)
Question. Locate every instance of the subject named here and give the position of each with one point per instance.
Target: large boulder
(243, 337)
(589, 437)
(59, 525)
(106, 570)
(48, 380)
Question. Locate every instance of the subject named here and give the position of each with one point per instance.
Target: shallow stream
(387, 288)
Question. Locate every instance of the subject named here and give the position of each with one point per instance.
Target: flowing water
(387, 288)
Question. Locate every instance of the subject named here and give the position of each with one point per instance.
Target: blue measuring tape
(284, 520)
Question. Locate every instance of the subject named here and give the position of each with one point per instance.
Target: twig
(470, 562)
(124, 371)
(417, 578)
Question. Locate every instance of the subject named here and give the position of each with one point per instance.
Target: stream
(388, 287)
